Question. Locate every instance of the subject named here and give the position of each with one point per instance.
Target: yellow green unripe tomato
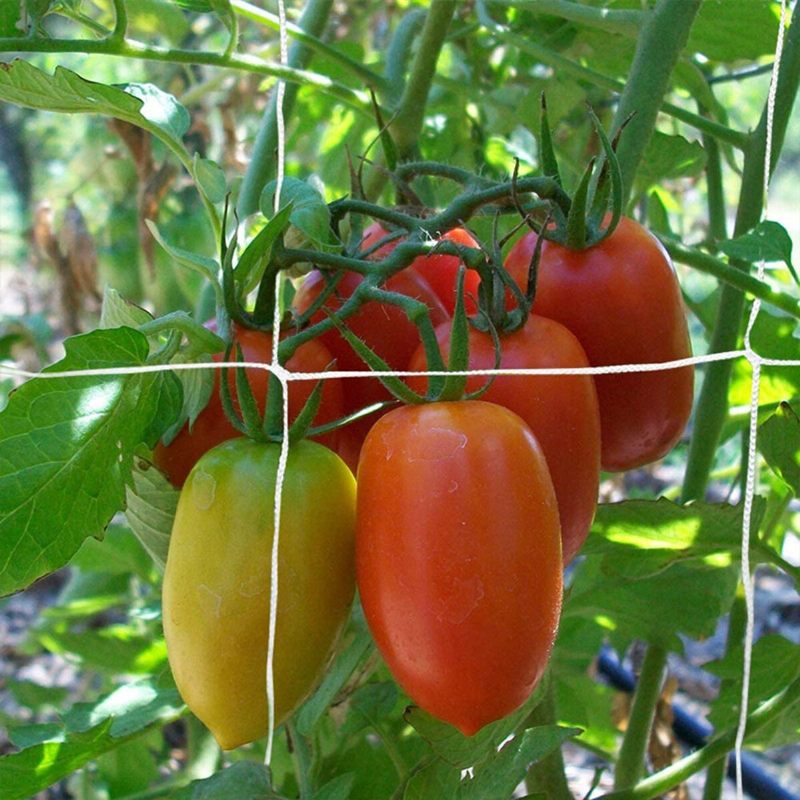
(217, 581)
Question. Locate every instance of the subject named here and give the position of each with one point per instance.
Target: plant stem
(120, 20)
(712, 407)
(658, 48)
(737, 279)
(303, 761)
(264, 156)
(297, 32)
(566, 66)
(547, 776)
(678, 772)
(407, 122)
(627, 22)
(399, 52)
(133, 49)
(632, 754)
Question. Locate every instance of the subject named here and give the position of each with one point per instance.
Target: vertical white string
(752, 453)
(280, 476)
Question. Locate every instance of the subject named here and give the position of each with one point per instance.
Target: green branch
(672, 776)
(406, 123)
(632, 754)
(132, 49)
(263, 161)
(627, 22)
(736, 278)
(302, 35)
(658, 48)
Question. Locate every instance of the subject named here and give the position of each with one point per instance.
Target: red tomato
(439, 270)
(561, 411)
(458, 557)
(622, 300)
(212, 427)
(385, 328)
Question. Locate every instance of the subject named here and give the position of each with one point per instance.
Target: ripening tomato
(439, 270)
(217, 581)
(384, 327)
(458, 557)
(212, 425)
(622, 300)
(560, 410)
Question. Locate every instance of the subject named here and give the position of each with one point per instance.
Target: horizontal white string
(287, 375)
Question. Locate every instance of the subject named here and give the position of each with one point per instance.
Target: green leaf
(586, 704)
(253, 261)
(115, 649)
(10, 20)
(66, 452)
(668, 158)
(151, 502)
(143, 105)
(461, 751)
(775, 664)
(728, 32)
(120, 553)
(643, 554)
(497, 778)
(337, 789)
(36, 696)
(434, 781)
(243, 781)
(207, 267)
(353, 654)
(768, 242)
(779, 442)
(210, 178)
(89, 730)
(117, 312)
(309, 212)
(129, 768)
(369, 705)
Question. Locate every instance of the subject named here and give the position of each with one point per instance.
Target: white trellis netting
(285, 378)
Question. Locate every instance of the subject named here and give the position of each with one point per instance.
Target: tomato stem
(632, 754)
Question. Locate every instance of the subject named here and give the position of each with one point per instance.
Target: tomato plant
(217, 581)
(212, 426)
(458, 557)
(438, 269)
(622, 300)
(384, 327)
(560, 410)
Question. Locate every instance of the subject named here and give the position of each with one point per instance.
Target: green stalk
(133, 49)
(399, 51)
(712, 407)
(297, 32)
(303, 761)
(547, 776)
(407, 122)
(658, 48)
(677, 773)
(627, 22)
(632, 754)
(715, 774)
(264, 158)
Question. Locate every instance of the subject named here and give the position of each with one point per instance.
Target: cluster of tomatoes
(465, 511)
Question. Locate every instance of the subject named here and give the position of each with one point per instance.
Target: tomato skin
(439, 270)
(217, 581)
(212, 426)
(385, 328)
(561, 411)
(622, 300)
(458, 557)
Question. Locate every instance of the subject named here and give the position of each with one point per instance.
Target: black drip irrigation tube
(695, 733)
